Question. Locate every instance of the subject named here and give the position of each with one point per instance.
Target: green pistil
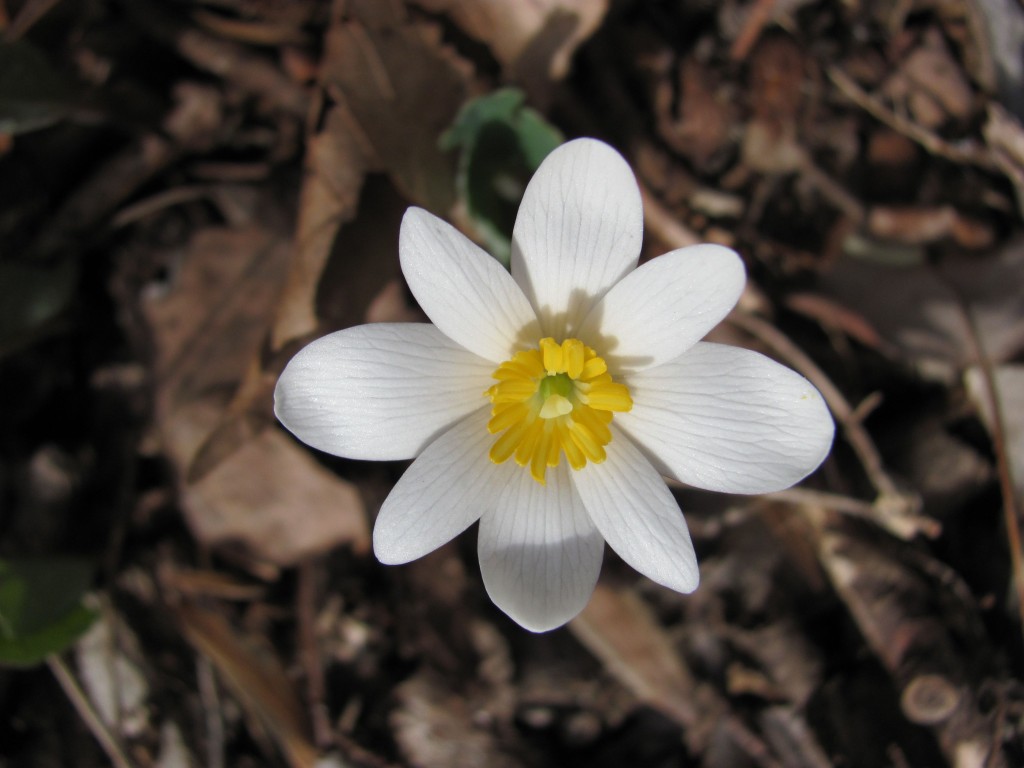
(558, 384)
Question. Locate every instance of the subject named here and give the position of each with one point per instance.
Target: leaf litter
(201, 188)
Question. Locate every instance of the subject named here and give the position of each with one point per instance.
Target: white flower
(577, 354)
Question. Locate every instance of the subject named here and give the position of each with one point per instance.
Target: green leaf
(32, 94)
(501, 144)
(31, 295)
(41, 609)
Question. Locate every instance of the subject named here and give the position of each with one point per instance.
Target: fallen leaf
(534, 41)
(402, 87)
(263, 489)
(778, 70)
(1009, 385)
(945, 470)
(273, 496)
(922, 225)
(257, 680)
(435, 727)
(364, 259)
(915, 308)
(396, 88)
(336, 165)
(834, 316)
(620, 630)
(696, 122)
(931, 83)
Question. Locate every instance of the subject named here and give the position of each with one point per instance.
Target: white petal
(379, 392)
(637, 515)
(728, 419)
(664, 307)
(442, 493)
(540, 554)
(578, 232)
(467, 293)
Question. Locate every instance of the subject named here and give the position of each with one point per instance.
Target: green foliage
(41, 609)
(31, 295)
(501, 143)
(32, 94)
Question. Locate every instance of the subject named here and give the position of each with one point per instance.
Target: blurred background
(191, 190)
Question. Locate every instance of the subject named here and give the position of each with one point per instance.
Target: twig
(210, 698)
(837, 402)
(87, 712)
(831, 189)
(965, 152)
(309, 653)
(158, 202)
(894, 509)
(30, 13)
(1011, 515)
(834, 501)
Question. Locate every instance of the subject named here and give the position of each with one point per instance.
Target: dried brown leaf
(255, 487)
(209, 326)
(931, 83)
(336, 165)
(396, 88)
(700, 128)
(364, 259)
(257, 680)
(435, 727)
(772, 147)
(836, 317)
(402, 88)
(923, 225)
(274, 497)
(916, 309)
(791, 666)
(778, 68)
(534, 41)
(945, 470)
(619, 629)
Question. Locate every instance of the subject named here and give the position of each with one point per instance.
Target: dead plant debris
(190, 191)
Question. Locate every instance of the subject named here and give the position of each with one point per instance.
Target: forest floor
(190, 191)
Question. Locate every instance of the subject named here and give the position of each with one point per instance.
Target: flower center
(550, 400)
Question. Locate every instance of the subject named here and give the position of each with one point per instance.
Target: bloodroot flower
(548, 403)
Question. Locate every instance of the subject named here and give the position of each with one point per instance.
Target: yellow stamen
(551, 400)
(610, 396)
